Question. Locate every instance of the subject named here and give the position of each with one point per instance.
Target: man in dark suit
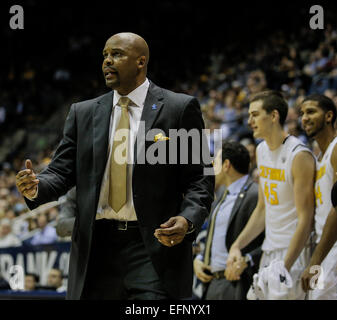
(230, 213)
(135, 219)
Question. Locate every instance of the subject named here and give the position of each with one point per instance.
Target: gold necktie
(118, 169)
(209, 240)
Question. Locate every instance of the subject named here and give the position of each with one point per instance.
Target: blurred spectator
(46, 234)
(294, 128)
(32, 224)
(52, 213)
(256, 81)
(4, 285)
(20, 226)
(55, 280)
(217, 133)
(251, 147)
(7, 238)
(31, 281)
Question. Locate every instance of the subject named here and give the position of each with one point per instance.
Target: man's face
(42, 221)
(313, 118)
(54, 278)
(5, 229)
(29, 283)
(120, 63)
(259, 120)
(218, 164)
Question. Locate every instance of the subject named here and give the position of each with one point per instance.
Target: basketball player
(318, 118)
(285, 207)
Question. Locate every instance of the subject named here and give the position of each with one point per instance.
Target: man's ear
(226, 165)
(141, 61)
(328, 117)
(275, 115)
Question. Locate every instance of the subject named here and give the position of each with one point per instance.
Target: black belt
(118, 224)
(219, 274)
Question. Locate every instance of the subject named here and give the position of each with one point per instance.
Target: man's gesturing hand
(26, 181)
(172, 231)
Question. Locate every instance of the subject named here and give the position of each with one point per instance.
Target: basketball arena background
(219, 52)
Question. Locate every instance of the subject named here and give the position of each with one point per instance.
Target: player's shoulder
(303, 160)
(333, 145)
(333, 156)
(262, 146)
(295, 145)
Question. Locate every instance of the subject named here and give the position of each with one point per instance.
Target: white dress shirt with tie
(127, 212)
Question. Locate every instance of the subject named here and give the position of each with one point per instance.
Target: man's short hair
(272, 100)
(325, 103)
(237, 154)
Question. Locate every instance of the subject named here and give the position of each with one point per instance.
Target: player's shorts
(295, 292)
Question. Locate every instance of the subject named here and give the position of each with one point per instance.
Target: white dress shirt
(127, 212)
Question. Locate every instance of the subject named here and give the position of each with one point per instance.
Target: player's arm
(303, 173)
(329, 235)
(328, 238)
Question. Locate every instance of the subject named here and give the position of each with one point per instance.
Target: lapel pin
(241, 195)
(154, 107)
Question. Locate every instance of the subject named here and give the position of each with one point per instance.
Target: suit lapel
(101, 123)
(239, 200)
(152, 106)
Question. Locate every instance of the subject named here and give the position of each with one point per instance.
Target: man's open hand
(172, 231)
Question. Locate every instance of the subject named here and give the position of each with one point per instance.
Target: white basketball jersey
(277, 185)
(323, 186)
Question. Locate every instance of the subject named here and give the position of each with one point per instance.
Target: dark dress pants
(120, 267)
(222, 289)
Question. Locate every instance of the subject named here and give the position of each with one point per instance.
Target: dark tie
(118, 169)
(209, 240)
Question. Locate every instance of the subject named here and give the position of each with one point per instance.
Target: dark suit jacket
(160, 191)
(242, 209)
(66, 217)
